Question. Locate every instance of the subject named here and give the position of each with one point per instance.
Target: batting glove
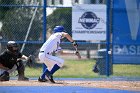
(74, 44)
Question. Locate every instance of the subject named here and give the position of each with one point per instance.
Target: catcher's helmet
(11, 45)
(58, 29)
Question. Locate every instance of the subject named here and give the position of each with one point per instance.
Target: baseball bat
(77, 53)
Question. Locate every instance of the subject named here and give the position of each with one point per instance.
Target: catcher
(53, 63)
(10, 60)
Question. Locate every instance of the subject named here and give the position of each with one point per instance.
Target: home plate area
(70, 86)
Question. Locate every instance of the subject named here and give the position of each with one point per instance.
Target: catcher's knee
(4, 76)
(20, 66)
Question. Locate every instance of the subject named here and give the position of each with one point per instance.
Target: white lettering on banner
(133, 12)
(89, 32)
(126, 50)
(88, 20)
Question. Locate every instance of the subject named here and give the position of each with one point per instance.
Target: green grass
(83, 69)
(126, 70)
(76, 68)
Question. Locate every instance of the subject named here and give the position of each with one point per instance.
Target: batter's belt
(43, 52)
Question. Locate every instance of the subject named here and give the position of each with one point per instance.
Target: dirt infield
(122, 85)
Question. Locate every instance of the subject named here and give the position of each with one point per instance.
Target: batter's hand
(74, 44)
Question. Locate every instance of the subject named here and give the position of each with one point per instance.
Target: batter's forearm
(69, 37)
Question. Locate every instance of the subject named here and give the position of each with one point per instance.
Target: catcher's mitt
(30, 60)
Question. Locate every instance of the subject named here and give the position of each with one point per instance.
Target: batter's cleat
(52, 81)
(50, 77)
(23, 79)
(42, 80)
(4, 76)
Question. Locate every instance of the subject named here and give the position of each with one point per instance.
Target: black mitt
(30, 61)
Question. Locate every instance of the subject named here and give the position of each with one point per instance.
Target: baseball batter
(53, 63)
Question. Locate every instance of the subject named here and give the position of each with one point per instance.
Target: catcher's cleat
(4, 76)
(50, 77)
(42, 80)
(23, 79)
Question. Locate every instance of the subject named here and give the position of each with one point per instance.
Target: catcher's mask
(58, 29)
(12, 46)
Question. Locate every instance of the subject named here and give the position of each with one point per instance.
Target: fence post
(108, 38)
(88, 52)
(44, 26)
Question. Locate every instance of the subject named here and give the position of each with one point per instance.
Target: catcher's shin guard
(4, 76)
(21, 69)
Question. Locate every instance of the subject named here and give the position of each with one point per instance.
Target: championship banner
(126, 32)
(89, 22)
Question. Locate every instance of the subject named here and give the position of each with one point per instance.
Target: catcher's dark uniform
(8, 59)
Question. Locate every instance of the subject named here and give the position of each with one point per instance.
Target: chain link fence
(23, 21)
(62, 15)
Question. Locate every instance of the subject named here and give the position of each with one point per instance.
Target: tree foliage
(61, 16)
(5, 9)
(16, 23)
